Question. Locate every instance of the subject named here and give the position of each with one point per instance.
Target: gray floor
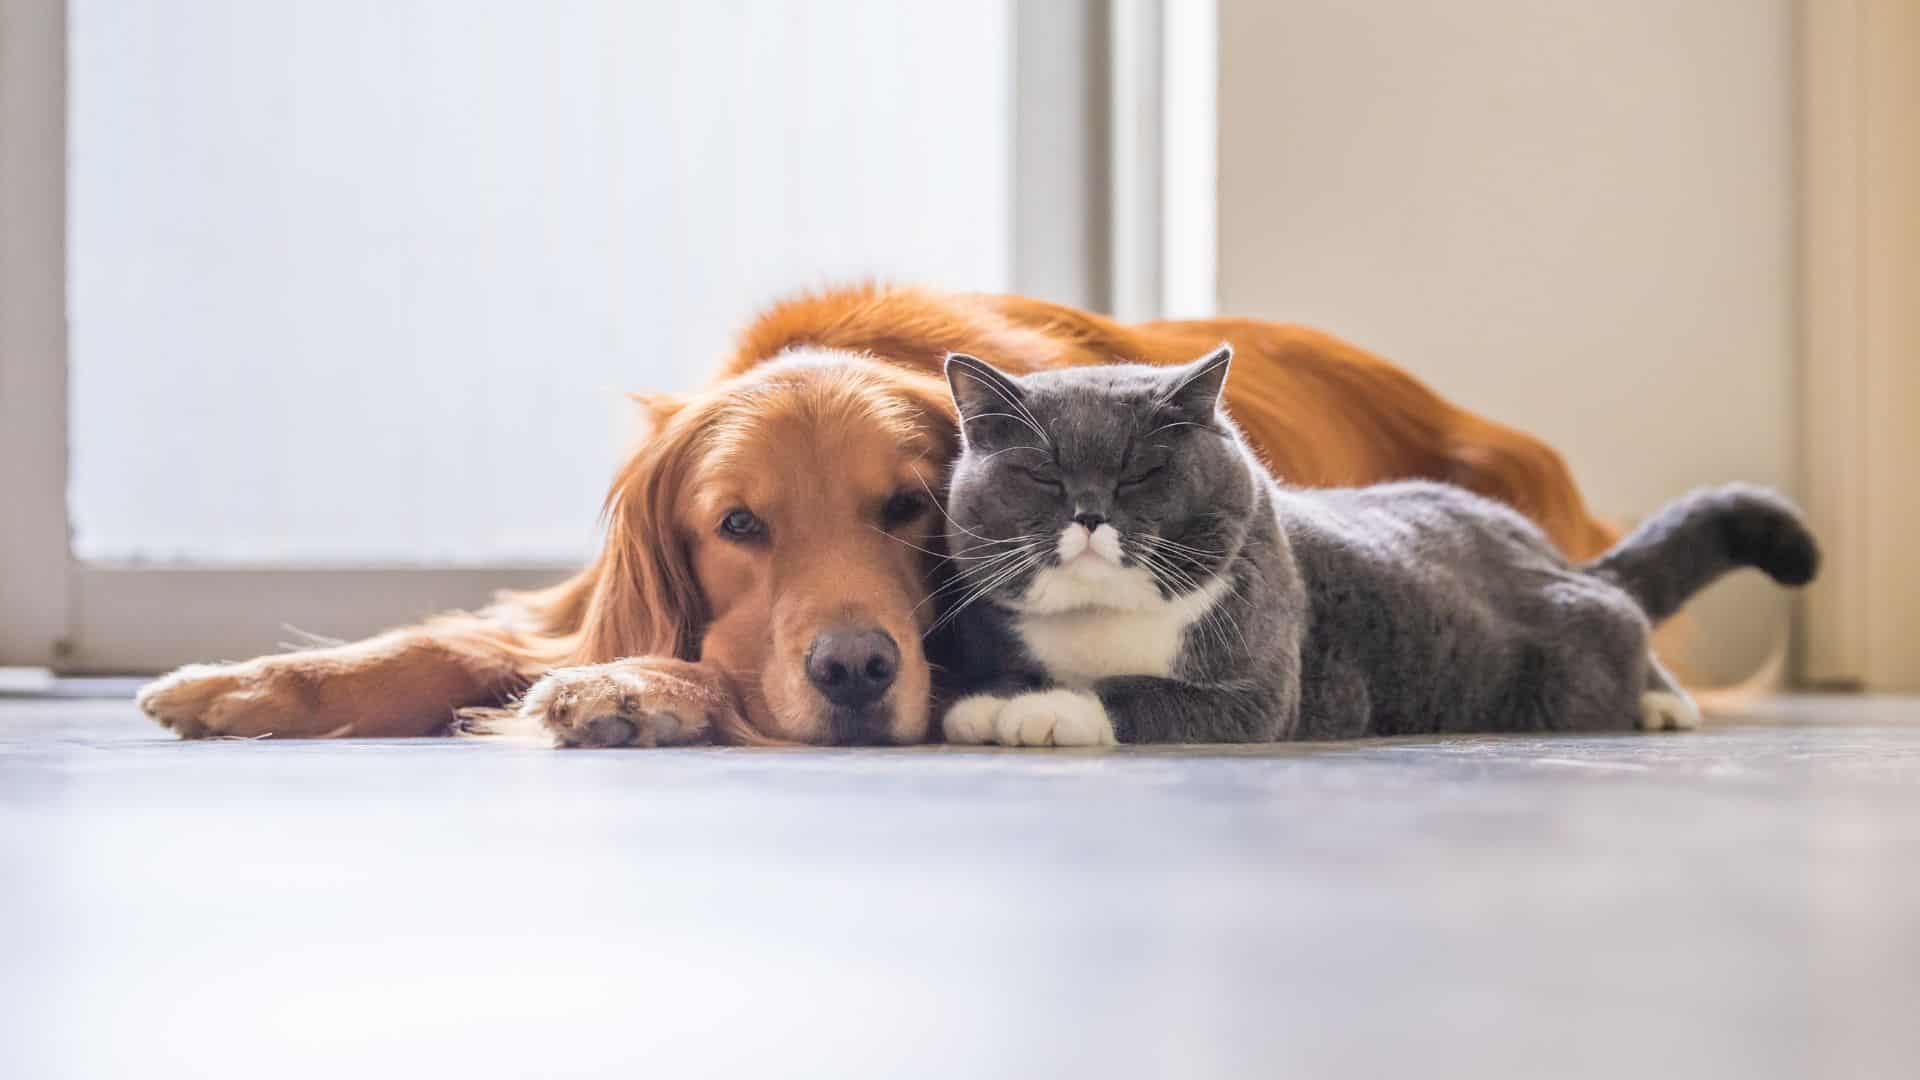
(1740, 902)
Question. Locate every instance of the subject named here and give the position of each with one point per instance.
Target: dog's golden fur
(677, 634)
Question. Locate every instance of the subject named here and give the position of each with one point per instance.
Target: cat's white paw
(969, 721)
(1053, 718)
(1661, 710)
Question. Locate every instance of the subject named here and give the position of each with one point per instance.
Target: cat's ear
(1197, 386)
(979, 390)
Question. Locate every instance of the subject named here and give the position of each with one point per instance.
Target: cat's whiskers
(987, 564)
(1025, 414)
(1012, 540)
(1008, 560)
(1172, 552)
(1010, 449)
(1161, 570)
(1216, 618)
(999, 578)
(1172, 545)
(1003, 416)
(1169, 558)
(939, 556)
(1170, 427)
(1219, 617)
(1222, 357)
(966, 577)
(950, 518)
(955, 556)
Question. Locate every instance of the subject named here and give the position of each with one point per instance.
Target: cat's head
(1113, 486)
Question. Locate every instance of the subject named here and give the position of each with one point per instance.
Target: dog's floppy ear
(982, 393)
(1194, 389)
(933, 408)
(645, 599)
(652, 413)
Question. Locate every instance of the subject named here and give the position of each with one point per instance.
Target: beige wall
(1860, 333)
(1578, 218)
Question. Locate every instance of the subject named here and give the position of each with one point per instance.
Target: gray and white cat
(1130, 573)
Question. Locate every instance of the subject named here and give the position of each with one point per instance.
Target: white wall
(360, 282)
(1574, 217)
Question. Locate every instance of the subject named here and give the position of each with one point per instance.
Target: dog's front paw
(249, 700)
(613, 705)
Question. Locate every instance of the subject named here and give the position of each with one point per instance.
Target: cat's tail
(1696, 538)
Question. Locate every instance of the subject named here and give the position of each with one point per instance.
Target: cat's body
(1146, 581)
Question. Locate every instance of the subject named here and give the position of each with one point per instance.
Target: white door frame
(1164, 208)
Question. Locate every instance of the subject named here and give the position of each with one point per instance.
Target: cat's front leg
(1055, 717)
(1149, 709)
(969, 721)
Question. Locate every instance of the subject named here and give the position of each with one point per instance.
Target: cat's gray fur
(1407, 607)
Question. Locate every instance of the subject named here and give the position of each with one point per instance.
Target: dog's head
(782, 526)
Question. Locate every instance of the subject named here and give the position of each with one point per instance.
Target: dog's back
(1320, 411)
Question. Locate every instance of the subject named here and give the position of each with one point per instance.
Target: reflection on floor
(1744, 901)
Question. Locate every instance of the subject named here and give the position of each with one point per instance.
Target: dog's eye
(1139, 478)
(902, 508)
(742, 525)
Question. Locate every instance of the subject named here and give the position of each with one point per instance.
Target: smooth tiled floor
(1740, 902)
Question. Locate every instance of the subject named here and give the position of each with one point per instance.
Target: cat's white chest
(1085, 626)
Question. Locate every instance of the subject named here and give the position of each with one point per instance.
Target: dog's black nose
(852, 668)
(1091, 521)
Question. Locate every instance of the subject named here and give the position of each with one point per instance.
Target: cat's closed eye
(1136, 479)
(1044, 479)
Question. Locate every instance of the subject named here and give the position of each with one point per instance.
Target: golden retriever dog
(773, 545)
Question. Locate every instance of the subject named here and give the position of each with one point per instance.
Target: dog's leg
(639, 701)
(404, 682)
